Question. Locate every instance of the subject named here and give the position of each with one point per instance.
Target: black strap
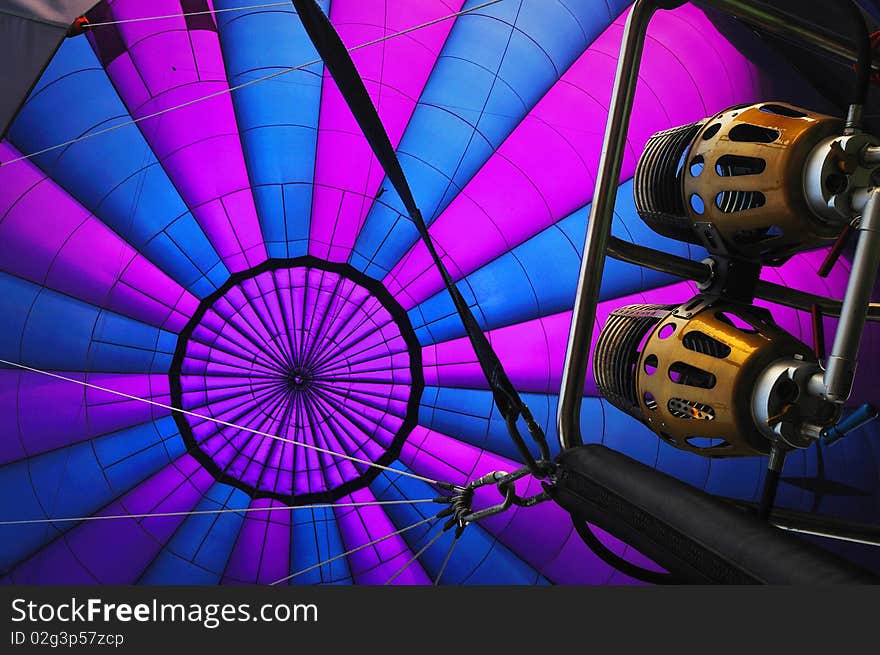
(615, 561)
(337, 60)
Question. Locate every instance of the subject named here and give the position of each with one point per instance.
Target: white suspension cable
(414, 557)
(353, 550)
(243, 85)
(218, 421)
(825, 534)
(190, 13)
(203, 512)
(446, 559)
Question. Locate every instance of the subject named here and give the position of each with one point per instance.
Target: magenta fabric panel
(547, 167)
(76, 413)
(262, 551)
(347, 175)
(375, 564)
(117, 551)
(165, 65)
(68, 249)
(559, 554)
(532, 352)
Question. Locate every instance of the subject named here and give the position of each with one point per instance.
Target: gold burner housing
(689, 372)
(735, 182)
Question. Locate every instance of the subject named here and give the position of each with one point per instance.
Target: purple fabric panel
(165, 66)
(532, 352)
(117, 551)
(47, 237)
(559, 554)
(77, 413)
(262, 551)
(547, 166)
(374, 565)
(347, 175)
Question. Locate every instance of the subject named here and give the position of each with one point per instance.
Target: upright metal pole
(601, 214)
(836, 383)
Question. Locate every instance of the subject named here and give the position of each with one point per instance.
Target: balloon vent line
(215, 512)
(352, 551)
(186, 14)
(244, 85)
(442, 485)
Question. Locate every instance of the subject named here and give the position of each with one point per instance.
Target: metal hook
(505, 484)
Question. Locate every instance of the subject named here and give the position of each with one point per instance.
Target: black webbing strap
(337, 60)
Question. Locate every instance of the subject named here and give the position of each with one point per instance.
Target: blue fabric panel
(49, 330)
(198, 551)
(115, 175)
(76, 481)
(278, 118)
(495, 66)
(526, 283)
(315, 538)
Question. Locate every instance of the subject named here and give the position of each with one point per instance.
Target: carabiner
(519, 501)
(503, 506)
